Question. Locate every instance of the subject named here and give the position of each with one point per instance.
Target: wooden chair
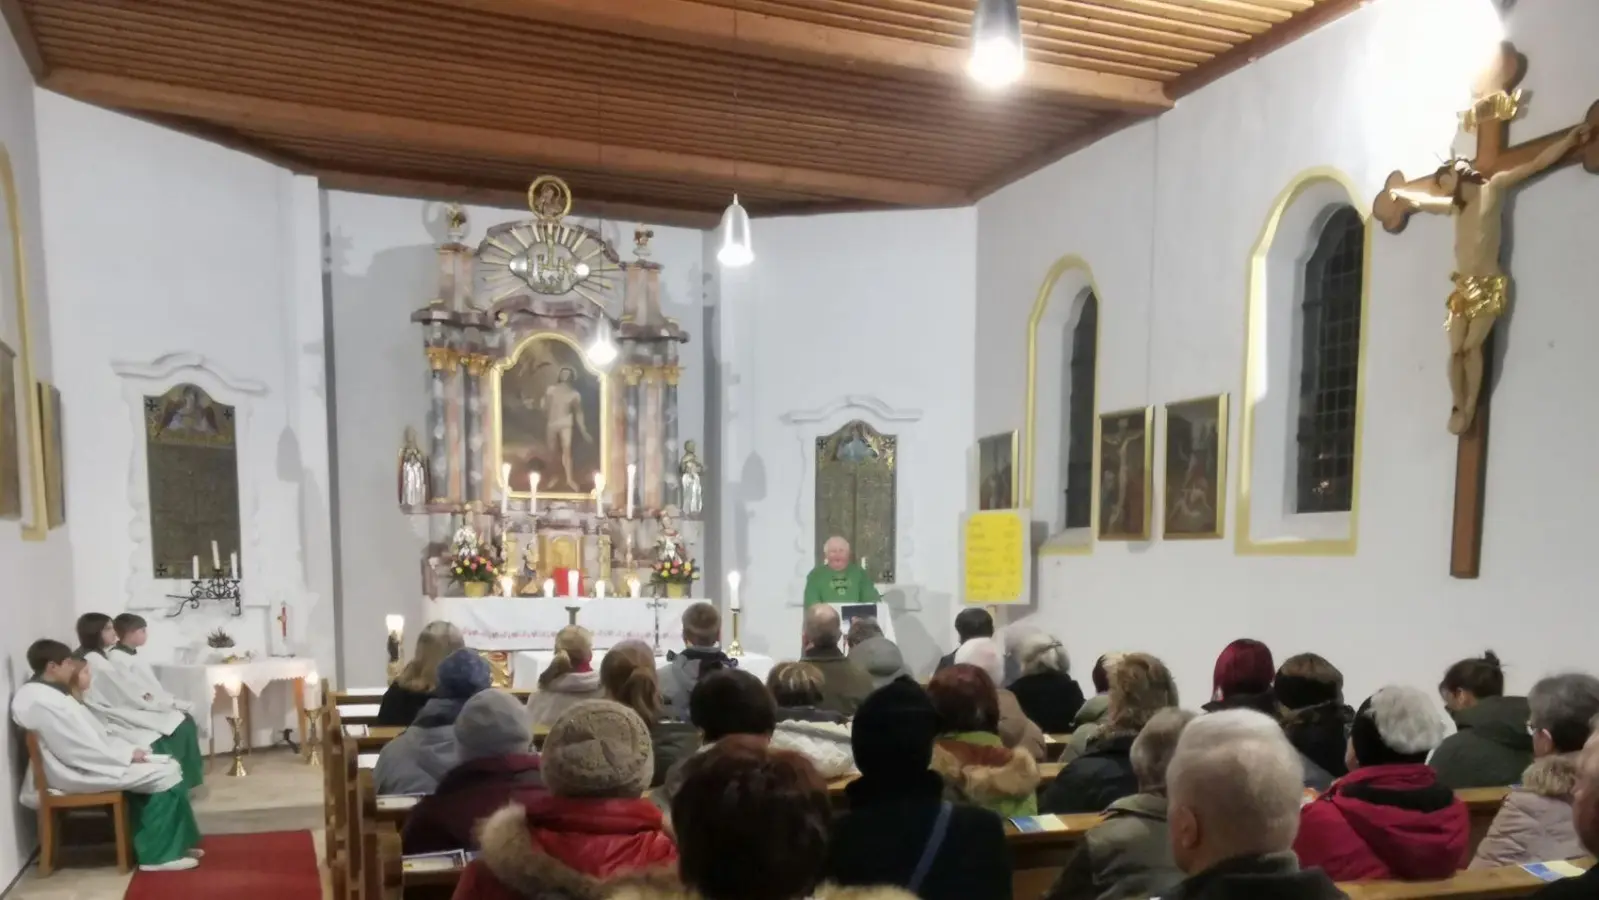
(49, 803)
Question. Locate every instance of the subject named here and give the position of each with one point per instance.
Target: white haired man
(1585, 814)
(1234, 789)
(1129, 854)
(844, 682)
(1390, 817)
(839, 579)
(1015, 729)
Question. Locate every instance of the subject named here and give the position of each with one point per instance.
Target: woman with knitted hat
(593, 828)
(414, 761)
(568, 679)
(1389, 817)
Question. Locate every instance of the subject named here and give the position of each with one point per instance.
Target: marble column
(477, 485)
(453, 412)
(669, 376)
(633, 374)
(440, 361)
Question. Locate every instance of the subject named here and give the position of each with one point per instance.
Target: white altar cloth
(530, 623)
(198, 684)
(526, 665)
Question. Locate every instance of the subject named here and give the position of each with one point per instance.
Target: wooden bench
(50, 804)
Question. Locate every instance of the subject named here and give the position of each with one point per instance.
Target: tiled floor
(280, 793)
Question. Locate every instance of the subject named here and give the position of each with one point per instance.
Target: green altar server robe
(848, 585)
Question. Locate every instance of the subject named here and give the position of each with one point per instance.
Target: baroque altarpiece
(553, 454)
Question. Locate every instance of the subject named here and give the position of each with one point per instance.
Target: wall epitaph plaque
(856, 495)
(193, 463)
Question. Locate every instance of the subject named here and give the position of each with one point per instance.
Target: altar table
(526, 665)
(531, 623)
(199, 684)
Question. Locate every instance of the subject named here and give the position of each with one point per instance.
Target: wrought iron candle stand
(217, 587)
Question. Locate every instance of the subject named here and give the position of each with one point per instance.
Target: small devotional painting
(996, 471)
(1196, 468)
(551, 417)
(1125, 474)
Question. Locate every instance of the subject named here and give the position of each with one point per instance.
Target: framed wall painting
(10, 438)
(1126, 470)
(55, 496)
(1194, 502)
(996, 471)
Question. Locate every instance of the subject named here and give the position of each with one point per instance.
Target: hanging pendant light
(602, 350)
(736, 247)
(996, 44)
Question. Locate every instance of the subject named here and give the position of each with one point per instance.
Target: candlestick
(734, 648)
(571, 582)
(599, 493)
(533, 492)
(633, 588)
(733, 581)
(632, 470)
(216, 557)
(233, 564)
(197, 567)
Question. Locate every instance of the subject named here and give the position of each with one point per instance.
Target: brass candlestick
(313, 740)
(237, 769)
(571, 614)
(734, 648)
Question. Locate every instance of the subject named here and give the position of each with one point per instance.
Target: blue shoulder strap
(930, 851)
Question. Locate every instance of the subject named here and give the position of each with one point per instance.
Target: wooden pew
(359, 706)
(1476, 884)
(1037, 857)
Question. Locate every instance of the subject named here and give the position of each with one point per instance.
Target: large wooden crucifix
(1474, 193)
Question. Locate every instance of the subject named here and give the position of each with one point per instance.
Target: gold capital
(441, 359)
(671, 374)
(633, 374)
(476, 363)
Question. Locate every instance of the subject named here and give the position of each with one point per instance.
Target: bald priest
(839, 579)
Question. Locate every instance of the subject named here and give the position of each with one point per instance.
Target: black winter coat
(1050, 699)
(1094, 780)
(400, 706)
(880, 840)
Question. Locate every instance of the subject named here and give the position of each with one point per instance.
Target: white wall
(1166, 214)
(36, 578)
(384, 267)
(864, 316)
(163, 244)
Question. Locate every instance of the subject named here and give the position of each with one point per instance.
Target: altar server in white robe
(81, 757)
(128, 709)
(132, 634)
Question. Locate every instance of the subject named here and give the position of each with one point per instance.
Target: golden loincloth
(1478, 295)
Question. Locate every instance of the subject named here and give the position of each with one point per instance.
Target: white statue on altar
(669, 545)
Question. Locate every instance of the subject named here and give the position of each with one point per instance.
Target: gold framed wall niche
(192, 467)
(523, 392)
(36, 528)
(857, 495)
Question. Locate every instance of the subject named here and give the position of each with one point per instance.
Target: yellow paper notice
(996, 557)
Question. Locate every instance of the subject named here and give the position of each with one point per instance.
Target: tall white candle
(506, 583)
(505, 489)
(633, 588)
(533, 491)
(599, 493)
(599, 589)
(216, 557)
(571, 582)
(233, 565)
(549, 587)
(197, 567)
(632, 472)
(232, 686)
(863, 565)
(733, 580)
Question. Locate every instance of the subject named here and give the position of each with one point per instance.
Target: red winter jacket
(1392, 821)
(565, 848)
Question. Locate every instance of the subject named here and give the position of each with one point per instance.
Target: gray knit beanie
(491, 724)
(598, 748)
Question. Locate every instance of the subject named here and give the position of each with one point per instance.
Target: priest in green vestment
(839, 579)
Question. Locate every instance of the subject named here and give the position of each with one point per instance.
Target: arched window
(1330, 365)
(1080, 416)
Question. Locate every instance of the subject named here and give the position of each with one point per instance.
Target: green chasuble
(828, 585)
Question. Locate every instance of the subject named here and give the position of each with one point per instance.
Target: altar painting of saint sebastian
(551, 418)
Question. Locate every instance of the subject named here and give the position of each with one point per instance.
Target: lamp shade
(736, 247)
(996, 43)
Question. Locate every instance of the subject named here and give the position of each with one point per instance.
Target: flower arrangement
(470, 568)
(219, 640)
(673, 571)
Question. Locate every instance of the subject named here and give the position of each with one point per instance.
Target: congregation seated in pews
(1246, 799)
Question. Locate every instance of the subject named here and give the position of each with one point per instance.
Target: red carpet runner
(276, 865)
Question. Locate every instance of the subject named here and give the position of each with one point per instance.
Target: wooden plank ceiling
(651, 109)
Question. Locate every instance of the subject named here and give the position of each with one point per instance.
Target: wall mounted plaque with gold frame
(1124, 483)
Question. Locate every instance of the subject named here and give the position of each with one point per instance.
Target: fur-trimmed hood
(668, 887)
(580, 864)
(1553, 776)
(985, 774)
